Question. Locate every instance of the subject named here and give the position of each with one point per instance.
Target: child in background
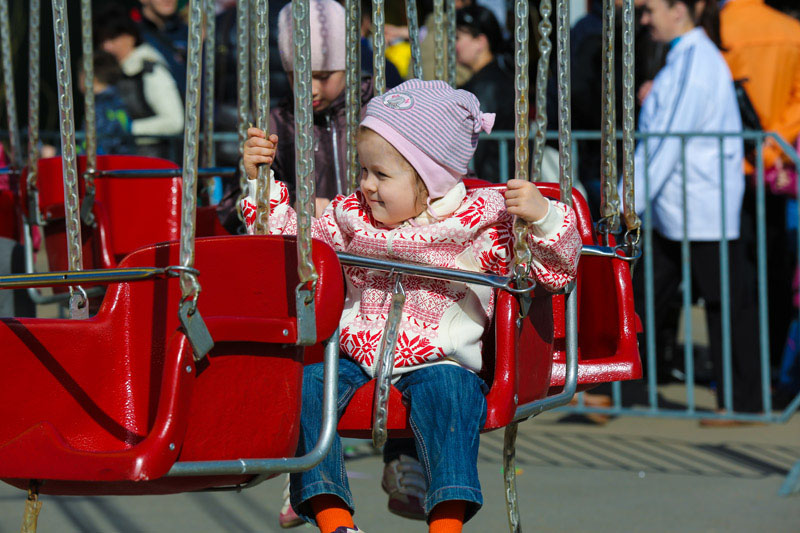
(113, 122)
(414, 145)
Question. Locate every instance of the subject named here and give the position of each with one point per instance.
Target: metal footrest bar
(260, 467)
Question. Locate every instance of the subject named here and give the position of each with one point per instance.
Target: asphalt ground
(629, 475)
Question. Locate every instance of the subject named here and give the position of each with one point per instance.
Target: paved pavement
(630, 475)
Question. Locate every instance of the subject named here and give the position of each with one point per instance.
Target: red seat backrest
(115, 393)
(130, 212)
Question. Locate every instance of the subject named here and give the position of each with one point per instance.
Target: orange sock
(448, 517)
(330, 512)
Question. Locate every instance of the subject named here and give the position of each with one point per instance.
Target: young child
(113, 122)
(414, 145)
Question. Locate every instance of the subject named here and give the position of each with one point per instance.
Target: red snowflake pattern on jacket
(477, 236)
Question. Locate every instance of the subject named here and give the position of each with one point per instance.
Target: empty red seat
(106, 405)
(528, 363)
(130, 212)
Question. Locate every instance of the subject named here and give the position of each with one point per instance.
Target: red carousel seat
(130, 212)
(106, 405)
(529, 362)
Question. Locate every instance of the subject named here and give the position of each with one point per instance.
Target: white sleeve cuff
(550, 224)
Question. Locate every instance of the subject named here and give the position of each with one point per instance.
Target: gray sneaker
(404, 482)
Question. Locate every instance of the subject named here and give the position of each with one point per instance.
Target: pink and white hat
(327, 36)
(434, 126)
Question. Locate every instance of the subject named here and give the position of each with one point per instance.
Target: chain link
(261, 21)
(77, 304)
(564, 102)
(522, 253)
(609, 196)
(545, 27)
(451, 43)
(66, 114)
(242, 90)
(208, 85)
(88, 97)
(379, 46)
(353, 89)
(632, 221)
(438, 39)
(413, 37)
(189, 286)
(10, 93)
(34, 44)
(304, 139)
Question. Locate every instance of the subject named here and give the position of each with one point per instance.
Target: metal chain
(438, 39)
(564, 102)
(609, 197)
(189, 286)
(522, 253)
(385, 366)
(243, 90)
(451, 43)
(632, 221)
(88, 97)
(545, 27)
(8, 81)
(208, 86)
(413, 37)
(379, 46)
(304, 139)
(510, 477)
(261, 21)
(34, 44)
(352, 89)
(78, 307)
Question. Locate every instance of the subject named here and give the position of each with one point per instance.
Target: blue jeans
(447, 409)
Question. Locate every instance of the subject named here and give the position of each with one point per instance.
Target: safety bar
(284, 464)
(222, 172)
(451, 274)
(611, 252)
(80, 277)
(571, 378)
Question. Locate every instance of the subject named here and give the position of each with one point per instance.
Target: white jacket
(693, 92)
(160, 92)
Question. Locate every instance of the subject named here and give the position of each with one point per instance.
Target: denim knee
(447, 412)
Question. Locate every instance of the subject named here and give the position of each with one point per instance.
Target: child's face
(388, 181)
(326, 86)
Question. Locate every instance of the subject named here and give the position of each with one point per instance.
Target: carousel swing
(541, 348)
(137, 395)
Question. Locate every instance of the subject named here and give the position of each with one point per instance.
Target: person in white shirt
(694, 92)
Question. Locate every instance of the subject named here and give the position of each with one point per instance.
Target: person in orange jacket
(762, 45)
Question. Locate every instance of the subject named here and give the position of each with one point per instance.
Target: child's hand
(258, 150)
(321, 204)
(524, 200)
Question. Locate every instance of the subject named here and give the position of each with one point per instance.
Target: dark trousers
(705, 280)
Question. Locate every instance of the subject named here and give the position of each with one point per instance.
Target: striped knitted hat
(434, 126)
(326, 18)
